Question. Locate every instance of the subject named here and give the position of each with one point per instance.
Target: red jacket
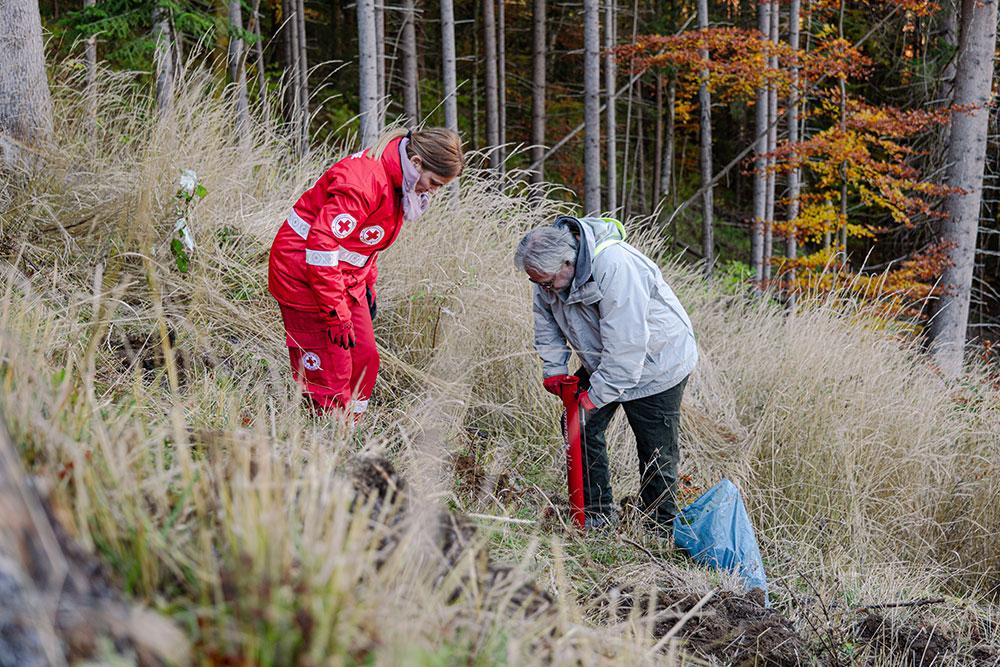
(327, 247)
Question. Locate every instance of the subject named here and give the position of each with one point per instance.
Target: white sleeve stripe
(300, 226)
(321, 257)
(354, 258)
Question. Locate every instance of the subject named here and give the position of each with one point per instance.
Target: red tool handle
(574, 455)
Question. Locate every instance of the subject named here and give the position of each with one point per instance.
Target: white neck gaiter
(414, 204)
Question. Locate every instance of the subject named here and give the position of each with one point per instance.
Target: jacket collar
(390, 162)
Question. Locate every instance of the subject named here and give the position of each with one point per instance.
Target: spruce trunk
(591, 107)
(448, 64)
(705, 104)
(760, 162)
(411, 89)
(611, 144)
(538, 93)
(794, 183)
(490, 58)
(163, 58)
(367, 73)
(237, 68)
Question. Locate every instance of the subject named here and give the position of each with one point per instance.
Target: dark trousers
(655, 420)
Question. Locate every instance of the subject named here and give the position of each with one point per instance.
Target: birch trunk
(760, 162)
(25, 102)
(966, 159)
(490, 81)
(367, 73)
(538, 92)
(237, 69)
(411, 85)
(705, 104)
(667, 173)
(591, 107)
(448, 64)
(610, 85)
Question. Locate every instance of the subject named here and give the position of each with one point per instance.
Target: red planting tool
(572, 432)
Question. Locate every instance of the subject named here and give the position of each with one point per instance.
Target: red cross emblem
(343, 225)
(372, 235)
(311, 361)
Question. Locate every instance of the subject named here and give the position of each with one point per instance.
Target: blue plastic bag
(715, 531)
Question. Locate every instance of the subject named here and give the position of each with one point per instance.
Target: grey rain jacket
(621, 318)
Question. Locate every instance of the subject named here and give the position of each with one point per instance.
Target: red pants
(329, 375)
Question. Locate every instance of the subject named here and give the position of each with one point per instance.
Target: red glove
(586, 403)
(553, 383)
(342, 334)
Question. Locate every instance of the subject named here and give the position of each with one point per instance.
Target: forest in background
(845, 170)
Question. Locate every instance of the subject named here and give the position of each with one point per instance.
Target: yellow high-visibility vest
(607, 243)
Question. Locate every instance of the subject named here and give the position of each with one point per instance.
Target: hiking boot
(604, 521)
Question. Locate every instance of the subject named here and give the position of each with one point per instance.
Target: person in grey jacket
(607, 301)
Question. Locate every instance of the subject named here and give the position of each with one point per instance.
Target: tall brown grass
(159, 408)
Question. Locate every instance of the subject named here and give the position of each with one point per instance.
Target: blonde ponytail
(439, 148)
(385, 139)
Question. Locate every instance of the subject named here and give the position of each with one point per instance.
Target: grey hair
(545, 250)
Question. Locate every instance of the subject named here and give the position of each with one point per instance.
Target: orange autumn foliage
(868, 147)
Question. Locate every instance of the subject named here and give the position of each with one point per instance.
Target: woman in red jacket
(322, 268)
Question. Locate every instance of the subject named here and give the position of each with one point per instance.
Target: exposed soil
(733, 628)
(921, 642)
(469, 475)
(473, 481)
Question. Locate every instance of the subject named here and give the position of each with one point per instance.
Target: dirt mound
(921, 642)
(733, 628)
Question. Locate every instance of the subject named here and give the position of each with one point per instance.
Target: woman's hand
(342, 333)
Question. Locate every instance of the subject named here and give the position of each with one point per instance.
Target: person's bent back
(607, 301)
